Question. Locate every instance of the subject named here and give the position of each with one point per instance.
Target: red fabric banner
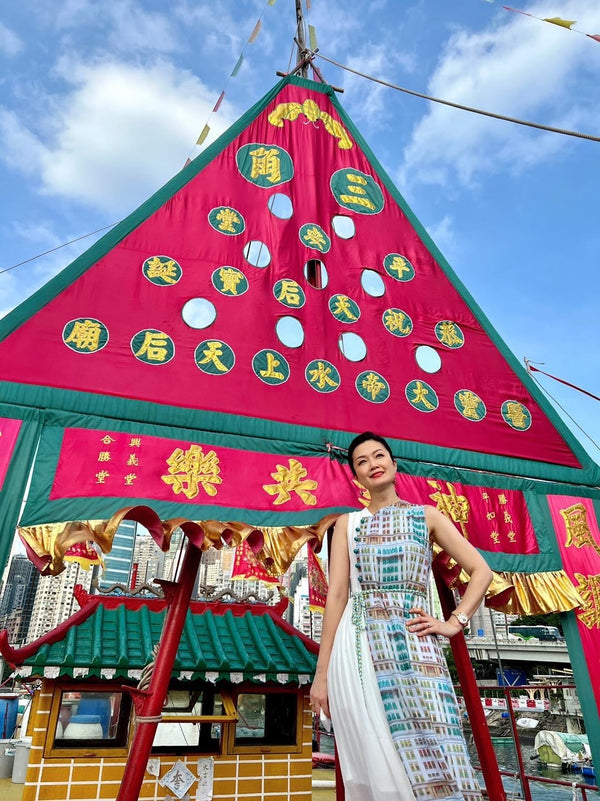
(9, 431)
(578, 537)
(247, 566)
(317, 583)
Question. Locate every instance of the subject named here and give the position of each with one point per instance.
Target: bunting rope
(531, 369)
(567, 24)
(493, 115)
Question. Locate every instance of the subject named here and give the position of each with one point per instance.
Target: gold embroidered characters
(579, 534)
(421, 396)
(153, 347)
(289, 293)
(85, 335)
(344, 308)
(516, 415)
(397, 322)
(453, 505)
(264, 165)
(214, 357)
(322, 375)
(313, 236)
(271, 367)
(229, 281)
(162, 270)
(589, 588)
(372, 386)
(449, 334)
(398, 267)
(470, 405)
(226, 220)
(291, 479)
(189, 470)
(357, 191)
(312, 112)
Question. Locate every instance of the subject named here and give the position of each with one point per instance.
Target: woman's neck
(382, 499)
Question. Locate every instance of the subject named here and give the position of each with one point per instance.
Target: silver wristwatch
(461, 617)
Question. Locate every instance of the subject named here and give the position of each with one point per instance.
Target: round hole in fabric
(352, 346)
(343, 226)
(290, 331)
(280, 205)
(372, 283)
(257, 254)
(199, 313)
(315, 273)
(428, 359)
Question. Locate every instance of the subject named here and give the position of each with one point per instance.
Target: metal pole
(511, 716)
(301, 38)
(149, 705)
(468, 683)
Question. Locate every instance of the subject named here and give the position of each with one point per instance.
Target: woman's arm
(337, 598)
(448, 537)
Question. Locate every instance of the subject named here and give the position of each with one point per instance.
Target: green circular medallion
(344, 308)
(152, 346)
(398, 267)
(229, 281)
(313, 236)
(357, 191)
(372, 386)
(271, 367)
(449, 334)
(265, 165)
(226, 220)
(214, 357)
(85, 335)
(162, 270)
(421, 396)
(322, 375)
(397, 322)
(290, 293)
(516, 415)
(470, 405)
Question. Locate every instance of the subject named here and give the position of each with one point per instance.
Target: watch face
(462, 618)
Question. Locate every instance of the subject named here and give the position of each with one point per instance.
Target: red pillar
(481, 732)
(150, 704)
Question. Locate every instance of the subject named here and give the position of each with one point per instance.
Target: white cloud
(443, 234)
(517, 67)
(10, 44)
(116, 136)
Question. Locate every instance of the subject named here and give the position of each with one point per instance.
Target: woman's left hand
(423, 624)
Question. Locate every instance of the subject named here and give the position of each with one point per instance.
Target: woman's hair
(364, 437)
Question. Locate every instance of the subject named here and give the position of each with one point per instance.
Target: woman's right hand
(318, 696)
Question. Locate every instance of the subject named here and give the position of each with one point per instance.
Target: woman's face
(373, 465)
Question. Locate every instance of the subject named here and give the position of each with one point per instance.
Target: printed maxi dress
(396, 720)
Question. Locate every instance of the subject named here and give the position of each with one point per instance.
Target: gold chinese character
(358, 194)
(399, 265)
(266, 162)
(102, 476)
(130, 478)
(230, 278)
(508, 517)
(192, 468)
(321, 376)
(107, 439)
(490, 515)
(227, 218)
(470, 403)
(448, 334)
(512, 536)
(211, 354)
(365, 495)
(154, 346)
(578, 530)
(135, 442)
(272, 363)
(315, 238)
(291, 479)
(495, 536)
(589, 588)
(502, 499)
(485, 496)
(515, 413)
(85, 335)
(394, 321)
(165, 270)
(453, 505)
(420, 395)
(289, 292)
(342, 306)
(104, 456)
(133, 460)
(372, 385)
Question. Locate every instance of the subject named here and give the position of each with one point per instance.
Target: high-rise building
(16, 602)
(119, 562)
(54, 599)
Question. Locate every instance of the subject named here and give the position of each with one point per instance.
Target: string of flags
(238, 65)
(560, 21)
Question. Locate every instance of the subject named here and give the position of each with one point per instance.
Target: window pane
(101, 717)
(266, 719)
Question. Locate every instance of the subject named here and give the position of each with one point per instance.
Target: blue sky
(101, 103)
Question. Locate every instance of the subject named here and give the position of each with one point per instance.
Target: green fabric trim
(585, 692)
(15, 480)
(303, 437)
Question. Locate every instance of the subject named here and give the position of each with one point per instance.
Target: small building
(236, 723)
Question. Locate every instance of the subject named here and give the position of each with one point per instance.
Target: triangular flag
(238, 64)
(312, 37)
(317, 583)
(247, 566)
(219, 101)
(255, 32)
(595, 36)
(564, 23)
(271, 2)
(203, 135)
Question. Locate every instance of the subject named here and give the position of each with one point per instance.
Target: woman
(381, 672)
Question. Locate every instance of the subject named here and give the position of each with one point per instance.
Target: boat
(563, 750)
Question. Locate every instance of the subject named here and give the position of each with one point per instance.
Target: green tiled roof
(219, 642)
